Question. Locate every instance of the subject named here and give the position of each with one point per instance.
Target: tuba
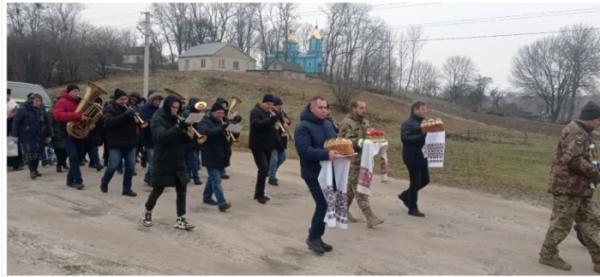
(92, 110)
(191, 131)
(233, 104)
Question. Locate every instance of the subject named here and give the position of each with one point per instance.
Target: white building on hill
(215, 56)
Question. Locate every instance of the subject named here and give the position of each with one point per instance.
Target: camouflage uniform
(355, 127)
(572, 173)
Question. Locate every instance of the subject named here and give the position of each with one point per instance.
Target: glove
(130, 112)
(183, 125)
(236, 119)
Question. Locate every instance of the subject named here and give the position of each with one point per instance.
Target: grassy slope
(479, 156)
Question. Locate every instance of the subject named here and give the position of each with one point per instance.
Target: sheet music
(194, 118)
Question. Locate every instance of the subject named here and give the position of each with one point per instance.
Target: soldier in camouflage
(354, 127)
(574, 178)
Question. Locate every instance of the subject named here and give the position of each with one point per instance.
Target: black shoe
(416, 213)
(266, 197)
(224, 207)
(59, 169)
(210, 202)
(18, 168)
(99, 167)
(78, 186)
(120, 170)
(66, 167)
(326, 247)
(134, 173)
(197, 181)
(129, 193)
(32, 175)
(273, 182)
(315, 246)
(38, 174)
(147, 221)
(104, 188)
(263, 199)
(402, 197)
(224, 176)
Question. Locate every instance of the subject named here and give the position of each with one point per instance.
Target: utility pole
(146, 52)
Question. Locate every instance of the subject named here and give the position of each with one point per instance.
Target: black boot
(59, 168)
(315, 246)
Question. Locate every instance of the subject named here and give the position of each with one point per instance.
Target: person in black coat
(215, 154)
(413, 140)
(32, 126)
(263, 139)
(94, 140)
(58, 142)
(121, 141)
(169, 137)
(310, 135)
(192, 148)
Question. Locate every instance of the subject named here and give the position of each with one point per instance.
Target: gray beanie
(590, 111)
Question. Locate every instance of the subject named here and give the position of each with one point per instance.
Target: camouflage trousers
(567, 209)
(361, 198)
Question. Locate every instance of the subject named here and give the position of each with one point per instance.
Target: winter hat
(217, 106)
(277, 101)
(153, 94)
(119, 93)
(71, 87)
(590, 111)
(268, 98)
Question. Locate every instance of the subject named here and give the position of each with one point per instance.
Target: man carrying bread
(413, 140)
(309, 137)
(354, 127)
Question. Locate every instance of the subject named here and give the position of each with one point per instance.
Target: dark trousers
(33, 165)
(261, 159)
(317, 225)
(61, 156)
(180, 189)
(74, 148)
(419, 178)
(192, 161)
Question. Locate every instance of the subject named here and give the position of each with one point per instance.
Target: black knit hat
(119, 93)
(268, 98)
(590, 111)
(217, 106)
(277, 101)
(71, 87)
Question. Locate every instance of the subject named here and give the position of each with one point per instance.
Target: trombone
(137, 117)
(192, 133)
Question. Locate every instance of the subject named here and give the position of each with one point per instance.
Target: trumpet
(192, 133)
(137, 118)
(279, 126)
(233, 105)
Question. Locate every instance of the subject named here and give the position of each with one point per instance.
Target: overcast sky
(450, 21)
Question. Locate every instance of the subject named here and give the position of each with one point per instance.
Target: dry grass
(479, 156)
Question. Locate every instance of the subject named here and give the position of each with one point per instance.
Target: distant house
(287, 70)
(215, 56)
(133, 56)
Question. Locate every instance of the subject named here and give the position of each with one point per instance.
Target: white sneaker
(182, 224)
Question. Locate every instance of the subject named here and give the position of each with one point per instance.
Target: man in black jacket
(263, 139)
(278, 154)
(121, 141)
(413, 140)
(215, 154)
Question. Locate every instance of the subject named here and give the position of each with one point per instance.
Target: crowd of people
(166, 144)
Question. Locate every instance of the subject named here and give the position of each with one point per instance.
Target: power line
(378, 7)
(502, 18)
(493, 36)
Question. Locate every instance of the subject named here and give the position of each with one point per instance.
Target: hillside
(511, 162)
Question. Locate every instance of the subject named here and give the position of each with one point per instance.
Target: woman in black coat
(169, 138)
(32, 127)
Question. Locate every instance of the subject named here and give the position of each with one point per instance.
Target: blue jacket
(309, 137)
(412, 142)
(32, 126)
(146, 112)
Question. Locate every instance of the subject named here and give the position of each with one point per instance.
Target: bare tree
(426, 79)
(559, 68)
(458, 70)
(477, 95)
(415, 44)
(286, 20)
